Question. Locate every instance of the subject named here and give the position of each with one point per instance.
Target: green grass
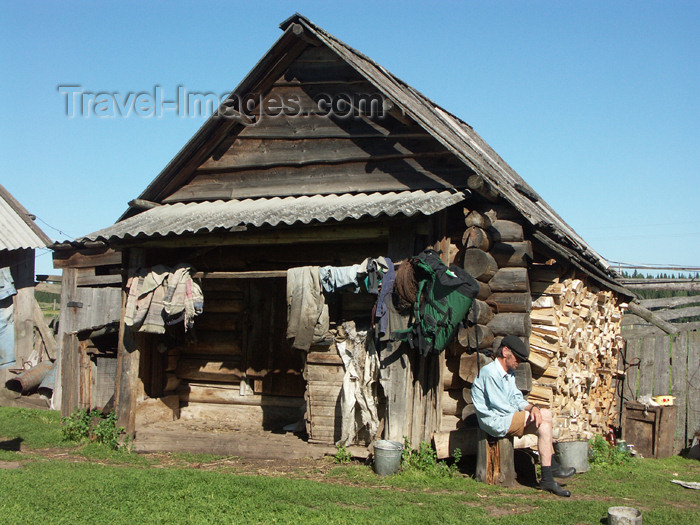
(30, 427)
(92, 484)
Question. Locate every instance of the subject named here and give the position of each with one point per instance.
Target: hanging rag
(7, 319)
(339, 278)
(183, 298)
(160, 296)
(381, 315)
(307, 313)
(358, 402)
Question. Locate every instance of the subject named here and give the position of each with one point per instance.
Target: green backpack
(443, 300)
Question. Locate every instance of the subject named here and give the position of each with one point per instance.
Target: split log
(481, 311)
(506, 231)
(511, 324)
(450, 375)
(479, 264)
(470, 364)
(452, 402)
(504, 302)
(484, 291)
(468, 411)
(463, 439)
(475, 237)
(512, 254)
(510, 280)
(474, 218)
(523, 377)
(467, 395)
(475, 337)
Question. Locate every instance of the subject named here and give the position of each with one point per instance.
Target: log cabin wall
(236, 369)
(492, 248)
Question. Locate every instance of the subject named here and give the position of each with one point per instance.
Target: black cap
(516, 345)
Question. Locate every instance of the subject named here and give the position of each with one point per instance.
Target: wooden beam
(86, 258)
(652, 318)
(687, 285)
(45, 332)
(241, 275)
(278, 236)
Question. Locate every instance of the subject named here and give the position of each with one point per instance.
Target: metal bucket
(624, 516)
(573, 454)
(387, 457)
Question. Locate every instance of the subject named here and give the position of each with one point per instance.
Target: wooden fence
(658, 364)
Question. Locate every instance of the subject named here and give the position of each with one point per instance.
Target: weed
(342, 454)
(90, 425)
(603, 455)
(425, 460)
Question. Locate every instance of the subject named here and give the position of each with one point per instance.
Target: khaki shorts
(519, 422)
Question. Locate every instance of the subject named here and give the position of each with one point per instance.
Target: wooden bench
(494, 460)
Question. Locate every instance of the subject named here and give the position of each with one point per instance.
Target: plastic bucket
(387, 457)
(573, 454)
(624, 516)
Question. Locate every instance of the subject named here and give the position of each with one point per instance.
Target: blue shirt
(496, 399)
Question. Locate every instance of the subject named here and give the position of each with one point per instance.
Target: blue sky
(595, 104)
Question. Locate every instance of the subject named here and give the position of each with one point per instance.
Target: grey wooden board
(693, 422)
(100, 306)
(679, 379)
(662, 362)
(630, 389)
(646, 369)
(105, 381)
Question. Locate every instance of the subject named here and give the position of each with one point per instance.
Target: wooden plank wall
(307, 150)
(663, 365)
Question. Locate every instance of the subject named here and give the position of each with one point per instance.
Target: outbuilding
(322, 158)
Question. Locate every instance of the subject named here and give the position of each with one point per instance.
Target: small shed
(321, 157)
(20, 315)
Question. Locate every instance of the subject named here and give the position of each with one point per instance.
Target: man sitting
(502, 411)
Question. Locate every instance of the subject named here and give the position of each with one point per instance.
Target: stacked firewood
(576, 332)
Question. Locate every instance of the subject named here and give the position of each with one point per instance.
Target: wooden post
(128, 357)
(494, 460)
(23, 276)
(65, 397)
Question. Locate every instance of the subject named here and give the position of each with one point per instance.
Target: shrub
(425, 460)
(90, 425)
(342, 454)
(603, 454)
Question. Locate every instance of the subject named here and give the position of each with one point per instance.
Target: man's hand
(536, 415)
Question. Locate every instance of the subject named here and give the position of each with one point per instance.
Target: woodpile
(574, 347)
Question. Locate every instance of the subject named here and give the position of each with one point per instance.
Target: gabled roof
(454, 135)
(18, 230)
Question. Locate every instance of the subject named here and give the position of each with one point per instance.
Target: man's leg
(546, 449)
(544, 438)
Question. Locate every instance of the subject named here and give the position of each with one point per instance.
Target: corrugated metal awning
(17, 230)
(207, 217)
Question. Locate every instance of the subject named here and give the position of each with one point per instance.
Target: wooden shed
(321, 157)
(21, 320)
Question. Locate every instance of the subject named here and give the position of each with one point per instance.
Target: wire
(56, 229)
